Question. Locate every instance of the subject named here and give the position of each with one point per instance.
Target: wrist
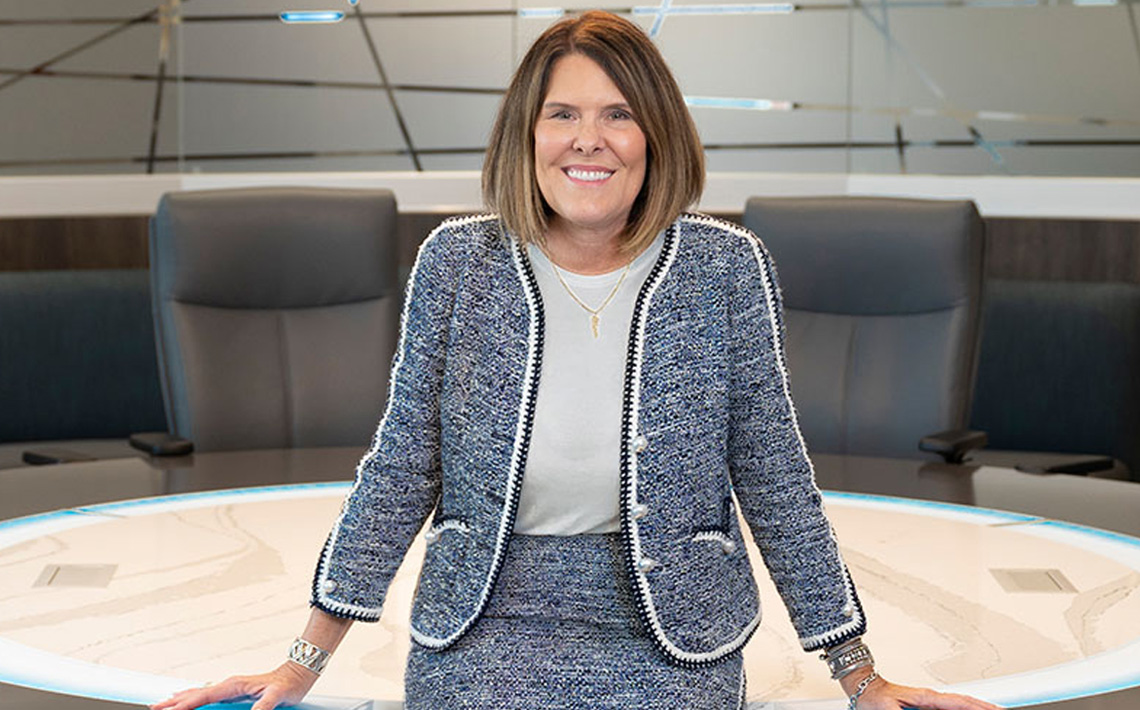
(851, 682)
(854, 695)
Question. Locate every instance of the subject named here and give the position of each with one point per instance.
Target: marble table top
(130, 601)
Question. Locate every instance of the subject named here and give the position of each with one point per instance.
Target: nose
(588, 139)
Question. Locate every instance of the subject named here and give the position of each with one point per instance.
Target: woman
(586, 385)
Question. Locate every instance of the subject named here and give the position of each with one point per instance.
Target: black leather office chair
(77, 367)
(1058, 373)
(275, 314)
(883, 302)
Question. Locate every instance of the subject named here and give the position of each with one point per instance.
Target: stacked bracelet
(847, 657)
(308, 655)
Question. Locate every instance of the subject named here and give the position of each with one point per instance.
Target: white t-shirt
(572, 482)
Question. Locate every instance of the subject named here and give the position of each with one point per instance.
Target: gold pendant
(594, 324)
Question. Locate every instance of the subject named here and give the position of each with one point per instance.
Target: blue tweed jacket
(706, 414)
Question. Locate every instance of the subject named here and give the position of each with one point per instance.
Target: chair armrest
(49, 456)
(1077, 467)
(953, 445)
(161, 443)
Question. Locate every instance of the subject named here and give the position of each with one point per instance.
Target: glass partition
(964, 87)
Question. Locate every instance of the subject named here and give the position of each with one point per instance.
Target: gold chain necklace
(595, 313)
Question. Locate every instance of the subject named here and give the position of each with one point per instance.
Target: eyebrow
(559, 104)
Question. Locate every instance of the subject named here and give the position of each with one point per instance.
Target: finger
(970, 703)
(229, 689)
(268, 701)
(182, 700)
(173, 700)
(926, 699)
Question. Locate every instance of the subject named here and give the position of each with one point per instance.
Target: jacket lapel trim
(523, 427)
(776, 323)
(632, 397)
(355, 611)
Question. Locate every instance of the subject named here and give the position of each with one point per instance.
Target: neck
(584, 251)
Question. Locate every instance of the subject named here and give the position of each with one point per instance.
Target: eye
(620, 114)
(561, 114)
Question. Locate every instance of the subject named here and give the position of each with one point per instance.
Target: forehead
(575, 78)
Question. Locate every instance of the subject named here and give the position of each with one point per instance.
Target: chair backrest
(1059, 368)
(275, 313)
(77, 355)
(883, 301)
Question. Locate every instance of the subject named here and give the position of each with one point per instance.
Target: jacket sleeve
(771, 473)
(398, 480)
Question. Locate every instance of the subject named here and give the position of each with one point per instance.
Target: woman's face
(589, 152)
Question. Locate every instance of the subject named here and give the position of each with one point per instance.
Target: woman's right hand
(286, 685)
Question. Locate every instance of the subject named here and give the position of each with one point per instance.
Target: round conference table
(211, 570)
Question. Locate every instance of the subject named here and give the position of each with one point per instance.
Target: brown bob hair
(675, 169)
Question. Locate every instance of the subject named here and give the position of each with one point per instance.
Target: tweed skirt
(561, 630)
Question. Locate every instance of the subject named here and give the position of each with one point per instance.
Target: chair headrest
(869, 255)
(275, 247)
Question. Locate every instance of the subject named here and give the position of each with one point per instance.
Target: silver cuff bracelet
(308, 655)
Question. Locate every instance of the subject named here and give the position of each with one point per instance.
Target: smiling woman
(587, 483)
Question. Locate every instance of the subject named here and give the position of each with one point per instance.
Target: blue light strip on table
(913, 504)
(229, 495)
(293, 17)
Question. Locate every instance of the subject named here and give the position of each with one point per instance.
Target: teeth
(590, 175)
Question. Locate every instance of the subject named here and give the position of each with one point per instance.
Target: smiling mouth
(588, 175)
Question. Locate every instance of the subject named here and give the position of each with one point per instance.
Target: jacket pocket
(725, 535)
(453, 525)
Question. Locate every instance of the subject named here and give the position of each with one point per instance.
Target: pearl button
(431, 536)
(329, 586)
(639, 511)
(640, 443)
(849, 611)
(645, 564)
(728, 546)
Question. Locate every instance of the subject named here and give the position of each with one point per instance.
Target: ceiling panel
(199, 8)
(794, 161)
(255, 119)
(1091, 162)
(245, 7)
(438, 120)
(791, 58)
(744, 126)
(274, 50)
(301, 165)
(134, 50)
(951, 161)
(470, 52)
(41, 119)
(58, 9)
(452, 162)
(448, 6)
(879, 161)
(24, 47)
(1053, 60)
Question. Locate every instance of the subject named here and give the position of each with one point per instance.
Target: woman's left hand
(881, 694)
